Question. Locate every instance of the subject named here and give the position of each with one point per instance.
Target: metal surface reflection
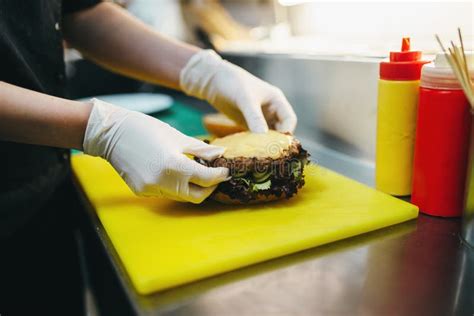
(468, 217)
(415, 268)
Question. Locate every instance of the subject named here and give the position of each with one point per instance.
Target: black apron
(31, 56)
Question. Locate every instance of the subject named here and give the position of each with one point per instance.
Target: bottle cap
(404, 65)
(439, 75)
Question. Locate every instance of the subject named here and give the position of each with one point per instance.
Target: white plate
(142, 102)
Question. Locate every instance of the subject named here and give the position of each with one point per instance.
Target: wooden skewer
(440, 43)
(458, 70)
(456, 58)
(466, 68)
(449, 56)
(460, 57)
(467, 75)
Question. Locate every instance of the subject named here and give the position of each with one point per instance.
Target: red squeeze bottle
(441, 143)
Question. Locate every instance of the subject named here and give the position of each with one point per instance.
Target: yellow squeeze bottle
(396, 120)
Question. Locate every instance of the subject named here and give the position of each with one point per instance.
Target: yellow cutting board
(163, 243)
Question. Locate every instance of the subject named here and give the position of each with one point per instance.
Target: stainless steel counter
(415, 268)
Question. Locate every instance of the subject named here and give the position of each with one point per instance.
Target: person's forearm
(114, 39)
(30, 117)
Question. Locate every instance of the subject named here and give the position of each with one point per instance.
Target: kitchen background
(324, 55)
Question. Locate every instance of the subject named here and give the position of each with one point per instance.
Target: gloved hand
(238, 94)
(150, 155)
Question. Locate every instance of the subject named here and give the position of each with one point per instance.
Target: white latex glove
(150, 155)
(238, 94)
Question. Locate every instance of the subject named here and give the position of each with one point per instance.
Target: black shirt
(31, 56)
